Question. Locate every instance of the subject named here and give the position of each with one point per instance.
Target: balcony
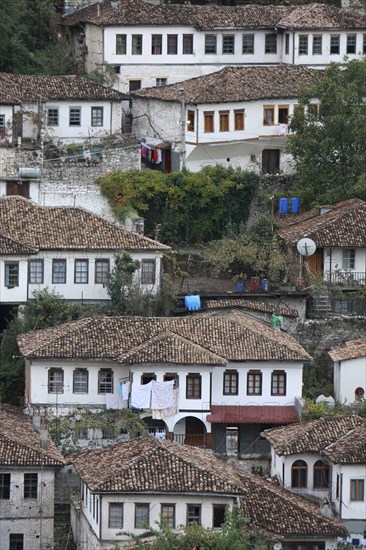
(193, 440)
(347, 278)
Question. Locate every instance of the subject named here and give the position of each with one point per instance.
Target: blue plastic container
(283, 209)
(192, 303)
(295, 206)
(264, 285)
(239, 286)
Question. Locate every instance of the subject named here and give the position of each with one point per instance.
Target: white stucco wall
(349, 375)
(333, 263)
(349, 510)
(18, 293)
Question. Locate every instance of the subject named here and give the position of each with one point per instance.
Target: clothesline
(152, 154)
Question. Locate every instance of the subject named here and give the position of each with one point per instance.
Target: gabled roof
(138, 12)
(352, 350)
(350, 448)
(234, 84)
(342, 224)
(243, 303)
(149, 465)
(49, 227)
(9, 246)
(22, 88)
(20, 444)
(231, 338)
(311, 437)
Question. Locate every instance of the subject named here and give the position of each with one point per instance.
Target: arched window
(299, 475)
(321, 475)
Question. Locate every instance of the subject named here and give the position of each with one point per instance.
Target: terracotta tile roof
(349, 449)
(242, 303)
(48, 227)
(322, 16)
(234, 84)
(352, 350)
(341, 224)
(310, 437)
(233, 338)
(20, 444)
(150, 465)
(9, 246)
(20, 88)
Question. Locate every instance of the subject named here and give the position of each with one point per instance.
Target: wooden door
(270, 161)
(17, 125)
(315, 262)
(195, 432)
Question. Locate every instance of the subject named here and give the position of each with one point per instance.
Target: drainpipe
(111, 119)
(340, 496)
(100, 516)
(293, 47)
(183, 128)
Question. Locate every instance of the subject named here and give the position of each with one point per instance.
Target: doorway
(270, 161)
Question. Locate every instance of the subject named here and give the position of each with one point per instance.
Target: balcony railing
(194, 440)
(347, 278)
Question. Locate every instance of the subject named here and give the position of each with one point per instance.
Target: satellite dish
(306, 247)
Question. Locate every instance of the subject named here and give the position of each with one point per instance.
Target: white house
(325, 459)
(130, 486)
(28, 462)
(213, 381)
(238, 116)
(65, 108)
(65, 249)
(349, 371)
(152, 45)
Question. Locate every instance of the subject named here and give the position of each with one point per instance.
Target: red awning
(252, 414)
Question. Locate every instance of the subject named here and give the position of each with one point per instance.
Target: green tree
(330, 149)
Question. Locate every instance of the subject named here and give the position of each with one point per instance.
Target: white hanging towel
(141, 396)
(113, 401)
(162, 394)
(125, 390)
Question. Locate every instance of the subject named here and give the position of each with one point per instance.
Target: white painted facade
(90, 291)
(31, 517)
(337, 263)
(349, 375)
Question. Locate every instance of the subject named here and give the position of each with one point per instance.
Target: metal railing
(347, 278)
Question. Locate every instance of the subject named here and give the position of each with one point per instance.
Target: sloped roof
(350, 448)
(234, 84)
(342, 224)
(242, 303)
(9, 246)
(310, 437)
(232, 338)
(22, 88)
(150, 465)
(138, 12)
(352, 350)
(20, 443)
(49, 227)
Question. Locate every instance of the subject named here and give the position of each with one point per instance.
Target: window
(300, 545)
(101, 271)
(231, 379)
(172, 376)
(161, 81)
(193, 388)
(278, 383)
(239, 120)
(97, 116)
(80, 381)
(36, 272)
(156, 44)
(4, 486)
(172, 44)
(334, 44)
(168, 513)
(191, 121)
(283, 114)
(105, 381)
(321, 476)
(30, 485)
(299, 475)
(148, 268)
(121, 44)
(56, 381)
(351, 43)
(317, 44)
(228, 44)
(142, 516)
(11, 274)
(348, 258)
(248, 43)
(52, 117)
(75, 116)
(81, 274)
(224, 121)
(219, 511)
(357, 490)
(270, 45)
(16, 541)
(136, 44)
(194, 513)
(208, 118)
(58, 272)
(303, 44)
(314, 110)
(268, 115)
(146, 377)
(115, 518)
(134, 85)
(254, 383)
(187, 44)
(287, 44)
(210, 43)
